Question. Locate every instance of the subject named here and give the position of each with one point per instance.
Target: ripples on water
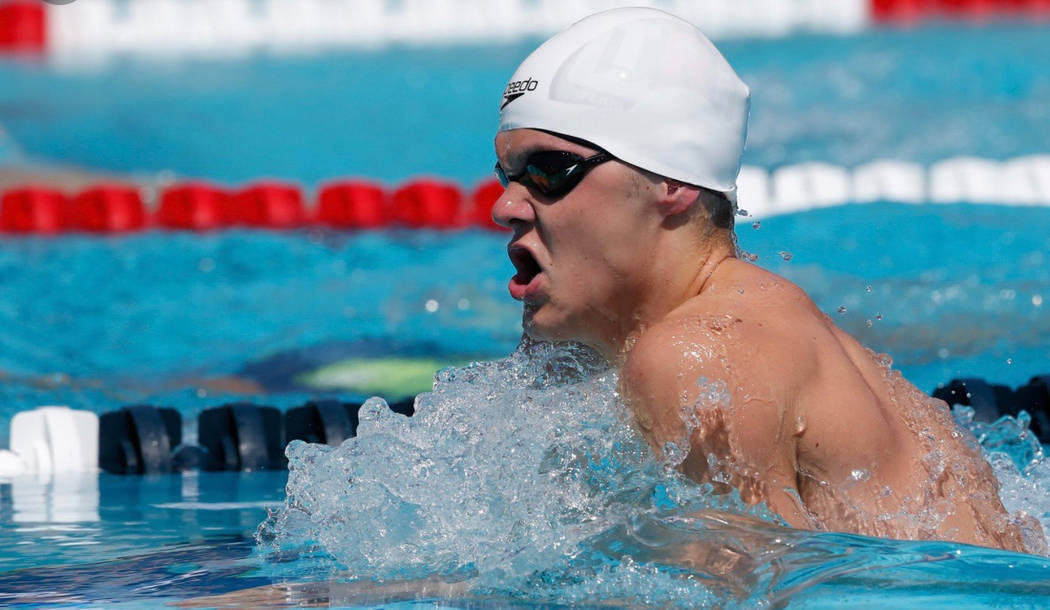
(522, 479)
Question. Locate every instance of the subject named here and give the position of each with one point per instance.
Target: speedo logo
(516, 89)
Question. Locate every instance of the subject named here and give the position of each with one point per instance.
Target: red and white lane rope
(440, 204)
(81, 30)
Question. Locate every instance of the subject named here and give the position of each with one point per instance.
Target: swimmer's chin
(534, 330)
(536, 325)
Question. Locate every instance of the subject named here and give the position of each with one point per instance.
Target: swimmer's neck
(676, 278)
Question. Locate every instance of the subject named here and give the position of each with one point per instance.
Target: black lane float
(242, 436)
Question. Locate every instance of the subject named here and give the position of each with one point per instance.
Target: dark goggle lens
(502, 175)
(552, 172)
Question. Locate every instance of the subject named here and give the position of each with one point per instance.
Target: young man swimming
(619, 145)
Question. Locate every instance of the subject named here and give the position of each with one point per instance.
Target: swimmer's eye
(553, 172)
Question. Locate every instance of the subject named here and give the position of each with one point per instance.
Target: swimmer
(619, 145)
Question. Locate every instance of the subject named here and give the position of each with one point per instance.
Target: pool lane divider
(82, 31)
(270, 204)
(145, 439)
(245, 437)
(914, 10)
(433, 203)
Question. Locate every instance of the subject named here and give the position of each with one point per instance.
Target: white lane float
(810, 185)
(52, 439)
(889, 180)
(966, 180)
(1026, 180)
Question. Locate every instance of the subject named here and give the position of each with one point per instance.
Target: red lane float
(273, 205)
(22, 26)
(912, 10)
(34, 209)
(429, 203)
(484, 197)
(353, 205)
(111, 208)
(198, 205)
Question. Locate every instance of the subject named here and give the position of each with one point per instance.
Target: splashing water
(524, 479)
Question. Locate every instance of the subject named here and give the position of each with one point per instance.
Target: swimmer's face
(580, 258)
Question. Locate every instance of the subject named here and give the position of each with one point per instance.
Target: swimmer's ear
(677, 197)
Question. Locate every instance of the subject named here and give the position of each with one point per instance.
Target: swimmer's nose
(512, 209)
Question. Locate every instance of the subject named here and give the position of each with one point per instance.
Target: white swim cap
(644, 85)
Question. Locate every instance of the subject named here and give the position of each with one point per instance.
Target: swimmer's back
(816, 426)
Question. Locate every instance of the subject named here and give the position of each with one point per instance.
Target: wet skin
(795, 413)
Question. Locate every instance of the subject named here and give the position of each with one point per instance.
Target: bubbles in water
(1021, 466)
(508, 469)
(867, 288)
(756, 225)
(868, 323)
(842, 309)
(524, 477)
(784, 254)
(674, 454)
(431, 305)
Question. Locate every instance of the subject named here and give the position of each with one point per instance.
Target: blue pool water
(917, 95)
(97, 323)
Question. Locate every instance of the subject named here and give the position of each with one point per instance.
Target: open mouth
(527, 270)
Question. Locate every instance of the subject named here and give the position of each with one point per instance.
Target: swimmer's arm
(659, 384)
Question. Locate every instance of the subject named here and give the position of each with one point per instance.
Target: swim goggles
(553, 172)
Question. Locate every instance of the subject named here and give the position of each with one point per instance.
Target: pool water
(921, 94)
(192, 321)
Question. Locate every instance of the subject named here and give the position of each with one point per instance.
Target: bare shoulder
(747, 317)
(766, 326)
(659, 376)
(751, 337)
(740, 334)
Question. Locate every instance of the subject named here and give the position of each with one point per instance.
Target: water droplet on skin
(842, 309)
(785, 255)
(755, 225)
(800, 425)
(860, 474)
(508, 203)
